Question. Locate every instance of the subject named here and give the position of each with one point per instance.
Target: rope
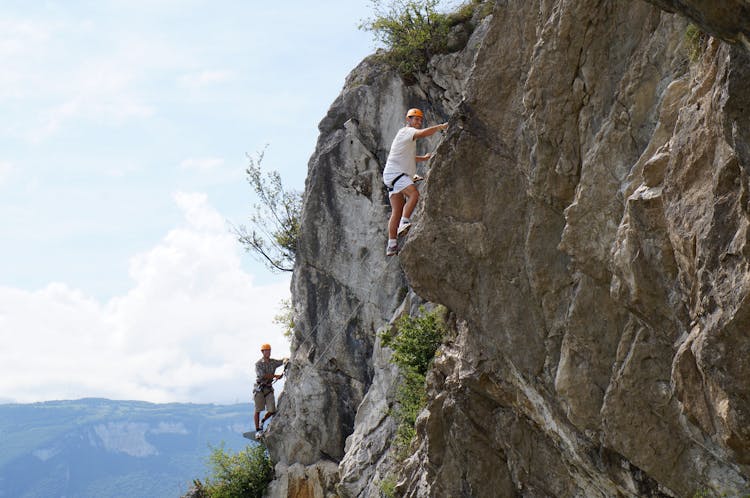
(307, 337)
(368, 300)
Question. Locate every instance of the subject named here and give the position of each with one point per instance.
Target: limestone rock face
(591, 198)
(586, 220)
(344, 288)
(368, 462)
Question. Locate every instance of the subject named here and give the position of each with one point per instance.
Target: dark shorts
(264, 400)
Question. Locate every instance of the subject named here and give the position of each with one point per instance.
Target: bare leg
(397, 209)
(412, 196)
(257, 420)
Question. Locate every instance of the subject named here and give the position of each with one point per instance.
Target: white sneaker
(403, 228)
(391, 250)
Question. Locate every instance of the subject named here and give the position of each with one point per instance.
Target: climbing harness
(263, 388)
(393, 183)
(267, 387)
(365, 299)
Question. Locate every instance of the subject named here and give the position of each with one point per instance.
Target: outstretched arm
(426, 132)
(277, 364)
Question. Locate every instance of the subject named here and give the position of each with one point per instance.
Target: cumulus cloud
(187, 330)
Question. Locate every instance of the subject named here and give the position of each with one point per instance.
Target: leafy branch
(275, 220)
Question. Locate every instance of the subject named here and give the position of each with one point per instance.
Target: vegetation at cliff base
(414, 343)
(275, 220)
(413, 31)
(244, 474)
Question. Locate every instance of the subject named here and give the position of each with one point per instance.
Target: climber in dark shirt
(263, 395)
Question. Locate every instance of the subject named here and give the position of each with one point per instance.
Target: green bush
(411, 398)
(416, 341)
(412, 31)
(414, 344)
(388, 486)
(243, 475)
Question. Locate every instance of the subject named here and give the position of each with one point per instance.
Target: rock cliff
(585, 219)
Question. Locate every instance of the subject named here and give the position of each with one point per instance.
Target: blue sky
(122, 155)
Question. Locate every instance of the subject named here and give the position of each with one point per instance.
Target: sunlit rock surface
(585, 219)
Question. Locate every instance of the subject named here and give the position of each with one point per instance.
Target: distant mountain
(100, 448)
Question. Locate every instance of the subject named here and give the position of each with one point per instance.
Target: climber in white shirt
(400, 173)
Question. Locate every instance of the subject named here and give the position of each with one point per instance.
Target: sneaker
(391, 250)
(258, 433)
(417, 178)
(403, 228)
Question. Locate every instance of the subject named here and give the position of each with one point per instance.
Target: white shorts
(400, 185)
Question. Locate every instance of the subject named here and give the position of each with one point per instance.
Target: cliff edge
(585, 219)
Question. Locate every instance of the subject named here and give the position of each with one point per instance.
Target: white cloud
(102, 92)
(6, 169)
(202, 163)
(69, 69)
(187, 330)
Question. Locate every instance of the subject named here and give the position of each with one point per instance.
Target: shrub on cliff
(244, 474)
(413, 31)
(414, 343)
(416, 340)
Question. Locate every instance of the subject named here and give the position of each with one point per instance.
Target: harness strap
(393, 183)
(263, 388)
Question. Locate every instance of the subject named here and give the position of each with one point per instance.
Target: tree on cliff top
(275, 221)
(412, 31)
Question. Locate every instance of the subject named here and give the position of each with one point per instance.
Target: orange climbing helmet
(263, 347)
(414, 112)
